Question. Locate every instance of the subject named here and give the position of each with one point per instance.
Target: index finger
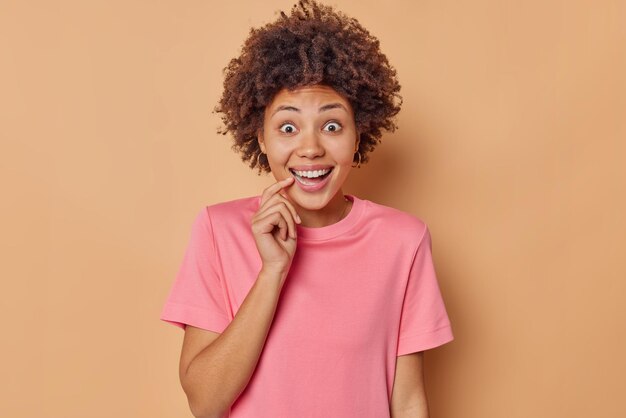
(274, 188)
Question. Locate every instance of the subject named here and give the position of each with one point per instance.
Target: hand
(274, 228)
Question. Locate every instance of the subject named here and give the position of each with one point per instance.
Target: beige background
(511, 147)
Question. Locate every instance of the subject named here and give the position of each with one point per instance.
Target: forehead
(308, 96)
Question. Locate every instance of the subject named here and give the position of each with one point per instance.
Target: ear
(259, 139)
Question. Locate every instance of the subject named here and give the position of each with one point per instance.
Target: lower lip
(312, 187)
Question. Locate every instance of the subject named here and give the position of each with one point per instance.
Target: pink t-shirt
(359, 293)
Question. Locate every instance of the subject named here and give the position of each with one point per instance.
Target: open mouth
(312, 177)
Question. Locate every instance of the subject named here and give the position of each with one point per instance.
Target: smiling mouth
(311, 180)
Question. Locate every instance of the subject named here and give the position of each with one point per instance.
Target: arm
(216, 376)
(409, 394)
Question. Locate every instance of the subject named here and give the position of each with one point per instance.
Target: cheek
(277, 151)
(344, 156)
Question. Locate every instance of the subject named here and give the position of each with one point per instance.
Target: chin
(308, 200)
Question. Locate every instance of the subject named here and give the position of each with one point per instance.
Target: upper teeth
(312, 174)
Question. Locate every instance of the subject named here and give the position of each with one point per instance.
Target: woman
(305, 301)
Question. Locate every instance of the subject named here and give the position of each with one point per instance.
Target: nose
(310, 146)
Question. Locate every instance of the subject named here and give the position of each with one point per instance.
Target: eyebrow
(321, 109)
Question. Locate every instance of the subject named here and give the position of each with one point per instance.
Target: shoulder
(394, 217)
(248, 203)
(401, 223)
(230, 212)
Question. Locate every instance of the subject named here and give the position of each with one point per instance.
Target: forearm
(217, 375)
(417, 411)
(417, 408)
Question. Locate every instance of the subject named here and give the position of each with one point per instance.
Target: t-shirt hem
(425, 341)
(181, 315)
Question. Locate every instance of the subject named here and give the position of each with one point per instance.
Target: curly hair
(313, 45)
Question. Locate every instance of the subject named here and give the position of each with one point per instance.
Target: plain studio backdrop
(511, 146)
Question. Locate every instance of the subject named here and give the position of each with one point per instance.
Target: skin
(408, 398)
(309, 136)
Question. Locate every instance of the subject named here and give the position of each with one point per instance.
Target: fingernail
(298, 218)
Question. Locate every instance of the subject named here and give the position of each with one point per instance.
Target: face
(306, 133)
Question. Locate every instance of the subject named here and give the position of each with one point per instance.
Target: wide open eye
(333, 126)
(289, 128)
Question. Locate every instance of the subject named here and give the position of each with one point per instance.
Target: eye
(334, 126)
(289, 128)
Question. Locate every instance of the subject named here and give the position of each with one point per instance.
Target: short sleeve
(196, 297)
(424, 322)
